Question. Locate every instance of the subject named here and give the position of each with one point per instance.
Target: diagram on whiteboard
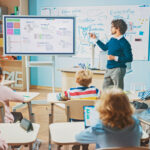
(98, 20)
(39, 35)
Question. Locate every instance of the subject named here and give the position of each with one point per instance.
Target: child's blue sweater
(120, 48)
(105, 136)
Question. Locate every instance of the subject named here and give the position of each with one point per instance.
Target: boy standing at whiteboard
(119, 53)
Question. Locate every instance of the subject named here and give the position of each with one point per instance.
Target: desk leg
(52, 112)
(66, 147)
(31, 117)
(30, 146)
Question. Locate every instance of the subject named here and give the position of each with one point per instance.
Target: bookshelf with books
(13, 69)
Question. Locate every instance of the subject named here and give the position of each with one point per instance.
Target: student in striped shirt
(83, 91)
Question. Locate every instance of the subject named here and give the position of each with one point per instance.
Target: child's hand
(60, 97)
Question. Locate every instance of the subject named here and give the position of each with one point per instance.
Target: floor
(41, 112)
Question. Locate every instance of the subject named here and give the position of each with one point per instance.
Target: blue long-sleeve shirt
(105, 136)
(120, 48)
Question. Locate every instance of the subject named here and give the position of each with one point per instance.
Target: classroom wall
(42, 76)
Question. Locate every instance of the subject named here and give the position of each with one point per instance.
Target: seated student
(7, 95)
(83, 91)
(116, 126)
(3, 145)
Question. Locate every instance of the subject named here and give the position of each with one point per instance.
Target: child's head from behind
(1, 74)
(115, 109)
(84, 77)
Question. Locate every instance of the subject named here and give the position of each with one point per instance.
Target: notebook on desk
(90, 116)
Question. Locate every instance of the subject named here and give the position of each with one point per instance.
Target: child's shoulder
(5, 88)
(83, 88)
(93, 87)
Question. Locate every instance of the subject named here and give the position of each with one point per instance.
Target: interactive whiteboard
(97, 19)
(39, 35)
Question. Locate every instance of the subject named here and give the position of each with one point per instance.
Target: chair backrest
(2, 112)
(74, 108)
(124, 148)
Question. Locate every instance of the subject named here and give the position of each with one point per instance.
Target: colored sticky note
(16, 25)
(16, 31)
(9, 24)
(141, 32)
(10, 31)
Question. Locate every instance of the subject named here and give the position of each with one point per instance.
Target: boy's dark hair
(120, 24)
(1, 71)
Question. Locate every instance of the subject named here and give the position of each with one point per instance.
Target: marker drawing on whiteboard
(138, 39)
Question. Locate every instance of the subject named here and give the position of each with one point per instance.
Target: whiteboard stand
(93, 55)
(30, 64)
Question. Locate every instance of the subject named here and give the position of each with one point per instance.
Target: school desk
(68, 78)
(14, 134)
(28, 97)
(52, 100)
(64, 133)
(134, 97)
(145, 121)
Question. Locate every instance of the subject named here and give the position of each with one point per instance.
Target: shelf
(11, 65)
(11, 61)
(40, 63)
(14, 65)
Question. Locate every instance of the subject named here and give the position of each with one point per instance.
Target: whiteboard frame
(34, 54)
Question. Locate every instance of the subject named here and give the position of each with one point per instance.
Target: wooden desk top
(70, 129)
(28, 96)
(51, 98)
(13, 134)
(134, 97)
(73, 70)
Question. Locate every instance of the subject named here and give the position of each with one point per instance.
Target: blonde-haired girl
(116, 126)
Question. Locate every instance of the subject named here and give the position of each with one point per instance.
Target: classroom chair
(74, 110)
(2, 112)
(124, 148)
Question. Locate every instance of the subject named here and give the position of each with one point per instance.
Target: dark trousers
(77, 147)
(17, 116)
